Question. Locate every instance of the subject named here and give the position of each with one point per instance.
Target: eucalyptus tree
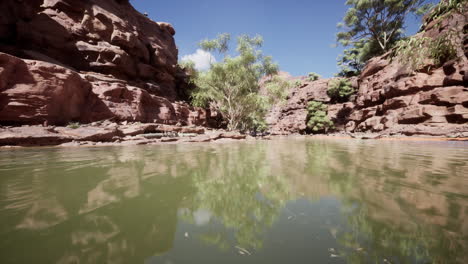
(372, 27)
(232, 85)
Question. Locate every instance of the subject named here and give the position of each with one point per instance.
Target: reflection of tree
(393, 209)
(101, 206)
(122, 204)
(372, 241)
(240, 191)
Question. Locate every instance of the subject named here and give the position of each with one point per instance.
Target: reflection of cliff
(118, 208)
(404, 198)
(121, 205)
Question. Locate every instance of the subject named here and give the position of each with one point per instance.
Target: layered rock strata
(67, 61)
(391, 98)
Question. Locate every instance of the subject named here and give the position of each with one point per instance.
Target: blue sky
(299, 34)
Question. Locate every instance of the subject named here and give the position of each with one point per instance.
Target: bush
(443, 8)
(340, 89)
(317, 119)
(73, 125)
(298, 83)
(414, 51)
(313, 76)
(276, 90)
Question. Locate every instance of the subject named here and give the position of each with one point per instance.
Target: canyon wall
(85, 61)
(391, 98)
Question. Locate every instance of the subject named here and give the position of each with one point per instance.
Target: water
(282, 201)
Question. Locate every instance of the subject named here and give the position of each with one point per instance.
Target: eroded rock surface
(67, 61)
(391, 98)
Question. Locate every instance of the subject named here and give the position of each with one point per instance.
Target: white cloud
(201, 58)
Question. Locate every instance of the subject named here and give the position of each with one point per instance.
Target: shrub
(73, 125)
(313, 76)
(340, 89)
(298, 83)
(276, 90)
(414, 51)
(443, 8)
(317, 119)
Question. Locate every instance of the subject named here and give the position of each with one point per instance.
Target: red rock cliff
(67, 60)
(390, 98)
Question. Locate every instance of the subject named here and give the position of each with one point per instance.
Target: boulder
(350, 126)
(232, 135)
(137, 129)
(88, 133)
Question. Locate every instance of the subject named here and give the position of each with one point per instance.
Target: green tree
(340, 89)
(318, 120)
(353, 59)
(232, 85)
(442, 9)
(371, 28)
(313, 76)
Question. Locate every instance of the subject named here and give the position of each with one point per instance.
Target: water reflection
(312, 200)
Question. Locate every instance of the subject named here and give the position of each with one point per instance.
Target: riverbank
(111, 134)
(122, 134)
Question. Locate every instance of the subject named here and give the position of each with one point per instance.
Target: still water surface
(283, 201)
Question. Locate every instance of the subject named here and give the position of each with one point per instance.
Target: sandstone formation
(85, 61)
(110, 133)
(391, 99)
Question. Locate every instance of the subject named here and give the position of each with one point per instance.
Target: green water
(282, 201)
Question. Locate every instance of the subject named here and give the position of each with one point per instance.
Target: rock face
(84, 61)
(391, 98)
(35, 91)
(291, 116)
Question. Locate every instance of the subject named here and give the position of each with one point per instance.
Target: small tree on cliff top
(371, 28)
(232, 86)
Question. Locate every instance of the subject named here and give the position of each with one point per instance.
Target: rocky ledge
(108, 133)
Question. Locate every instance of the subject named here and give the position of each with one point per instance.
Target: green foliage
(313, 77)
(415, 51)
(74, 125)
(189, 68)
(340, 89)
(317, 119)
(442, 8)
(231, 194)
(232, 85)
(354, 58)
(371, 28)
(276, 90)
(298, 83)
(220, 44)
